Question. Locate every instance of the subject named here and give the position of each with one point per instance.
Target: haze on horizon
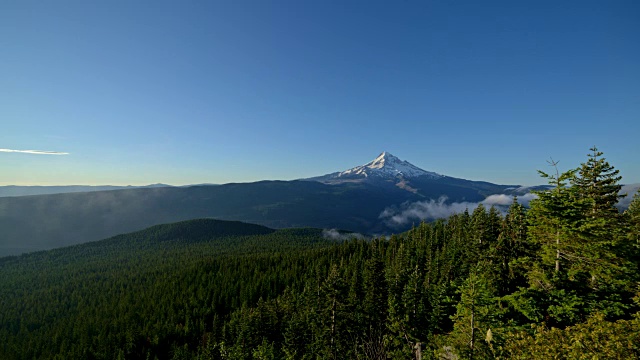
(135, 93)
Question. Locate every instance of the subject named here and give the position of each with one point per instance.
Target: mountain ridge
(40, 222)
(30, 190)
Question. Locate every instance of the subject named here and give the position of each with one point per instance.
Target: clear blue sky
(184, 92)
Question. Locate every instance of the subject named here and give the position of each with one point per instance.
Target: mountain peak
(385, 166)
(384, 159)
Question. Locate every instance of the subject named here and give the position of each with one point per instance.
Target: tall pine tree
(600, 236)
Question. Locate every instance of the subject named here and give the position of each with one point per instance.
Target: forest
(557, 280)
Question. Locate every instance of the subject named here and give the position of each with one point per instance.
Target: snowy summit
(385, 166)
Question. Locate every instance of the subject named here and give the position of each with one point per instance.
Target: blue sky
(184, 92)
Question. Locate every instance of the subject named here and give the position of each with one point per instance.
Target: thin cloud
(407, 213)
(37, 152)
(334, 234)
(421, 210)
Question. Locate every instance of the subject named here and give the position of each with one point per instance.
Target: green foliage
(143, 293)
(585, 262)
(478, 285)
(511, 251)
(553, 216)
(632, 215)
(594, 339)
(477, 313)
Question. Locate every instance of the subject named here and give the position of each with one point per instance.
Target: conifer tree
(598, 182)
(580, 225)
(480, 226)
(494, 222)
(375, 287)
(398, 276)
(476, 314)
(599, 235)
(511, 250)
(334, 292)
(375, 306)
(552, 216)
(633, 218)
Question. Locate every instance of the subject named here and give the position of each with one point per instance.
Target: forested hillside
(559, 280)
(32, 223)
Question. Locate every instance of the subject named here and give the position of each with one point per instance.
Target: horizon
(251, 181)
(121, 93)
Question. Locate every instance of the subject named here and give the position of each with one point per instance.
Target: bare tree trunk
(418, 349)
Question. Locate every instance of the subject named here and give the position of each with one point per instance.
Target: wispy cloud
(334, 234)
(420, 210)
(397, 216)
(37, 152)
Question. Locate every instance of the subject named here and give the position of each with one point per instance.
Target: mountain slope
(384, 167)
(47, 221)
(352, 201)
(387, 169)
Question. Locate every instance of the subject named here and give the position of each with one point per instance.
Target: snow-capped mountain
(384, 167)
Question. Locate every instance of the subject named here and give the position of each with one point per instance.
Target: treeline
(558, 280)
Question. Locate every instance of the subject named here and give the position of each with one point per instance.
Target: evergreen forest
(557, 280)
